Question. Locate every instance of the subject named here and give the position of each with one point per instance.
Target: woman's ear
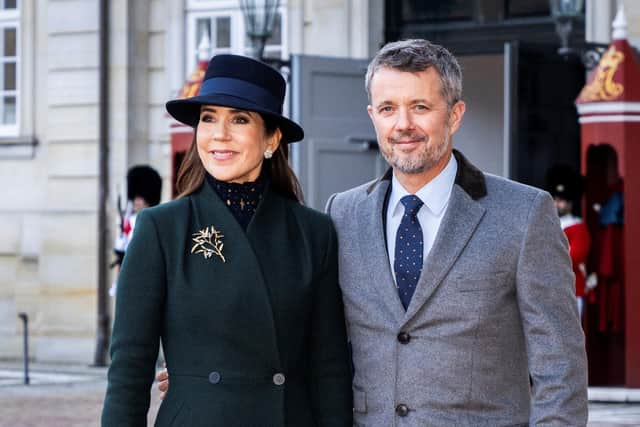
(273, 141)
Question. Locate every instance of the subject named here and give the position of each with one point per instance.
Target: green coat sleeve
(330, 368)
(137, 325)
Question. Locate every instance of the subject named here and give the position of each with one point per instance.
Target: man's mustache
(419, 137)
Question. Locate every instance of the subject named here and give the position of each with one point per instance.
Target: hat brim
(187, 111)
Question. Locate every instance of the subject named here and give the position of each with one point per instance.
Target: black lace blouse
(241, 199)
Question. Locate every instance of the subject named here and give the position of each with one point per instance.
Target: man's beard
(425, 158)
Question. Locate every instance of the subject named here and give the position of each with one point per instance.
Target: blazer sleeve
(554, 337)
(136, 329)
(331, 393)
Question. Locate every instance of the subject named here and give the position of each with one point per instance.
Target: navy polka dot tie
(409, 246)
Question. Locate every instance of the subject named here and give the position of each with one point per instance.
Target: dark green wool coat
(227, 328)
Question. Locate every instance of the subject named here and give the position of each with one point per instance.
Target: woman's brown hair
(281, 177)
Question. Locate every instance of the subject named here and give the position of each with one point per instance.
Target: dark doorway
(475, 26)
(546, 128)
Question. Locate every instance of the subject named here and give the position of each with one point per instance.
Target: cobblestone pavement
(72, 397)
(58, 396)
(68, 405)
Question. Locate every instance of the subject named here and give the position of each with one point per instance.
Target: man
(144, 189)
(457, 285)
(565, 186)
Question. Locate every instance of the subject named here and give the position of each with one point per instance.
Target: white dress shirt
(435, 196)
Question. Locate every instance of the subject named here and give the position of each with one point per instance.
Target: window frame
(11, 19)
(198, 9)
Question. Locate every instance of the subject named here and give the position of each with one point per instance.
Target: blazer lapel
(457, 227)
(373, 251)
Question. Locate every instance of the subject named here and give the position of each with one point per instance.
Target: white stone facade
(48, 204)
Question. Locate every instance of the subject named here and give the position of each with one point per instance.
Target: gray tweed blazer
(492, 332)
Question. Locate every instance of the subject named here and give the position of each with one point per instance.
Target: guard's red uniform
(579, 244)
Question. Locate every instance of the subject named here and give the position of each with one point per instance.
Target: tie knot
(412, 204)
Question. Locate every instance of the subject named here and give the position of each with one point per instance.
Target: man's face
(412, 122)
(563, 206)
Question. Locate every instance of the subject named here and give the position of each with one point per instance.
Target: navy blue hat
(239, 82)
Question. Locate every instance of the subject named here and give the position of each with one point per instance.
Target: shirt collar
(568, 220)
(434, 194)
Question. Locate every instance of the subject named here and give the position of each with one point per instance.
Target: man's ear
(455, 116)
(370, 111)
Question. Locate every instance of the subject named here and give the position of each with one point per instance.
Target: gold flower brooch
(208, 242)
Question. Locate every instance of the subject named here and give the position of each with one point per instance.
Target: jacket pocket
(492, 282)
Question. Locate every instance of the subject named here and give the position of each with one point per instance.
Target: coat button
(404, 338)
(214, 377)
(278, 379)
(402, 410)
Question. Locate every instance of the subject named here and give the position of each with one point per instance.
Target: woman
(235, 277)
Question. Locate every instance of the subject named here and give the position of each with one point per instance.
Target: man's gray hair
(417, 55)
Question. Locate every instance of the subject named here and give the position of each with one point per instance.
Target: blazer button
(402, 410)
(404, 338)
(214, 377)
(278, 379)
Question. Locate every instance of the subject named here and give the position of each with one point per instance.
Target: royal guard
(565, 185)
(144, 187)
(607, 229)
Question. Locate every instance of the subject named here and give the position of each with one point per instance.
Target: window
(221, 21)
(9, 67)
(217, 29)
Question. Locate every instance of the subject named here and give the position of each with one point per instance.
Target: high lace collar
(241, 199)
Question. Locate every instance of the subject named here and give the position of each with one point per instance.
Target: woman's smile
(223, 155)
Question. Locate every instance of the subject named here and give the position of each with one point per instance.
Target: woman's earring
(268, 154)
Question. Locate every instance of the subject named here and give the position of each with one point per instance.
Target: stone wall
(48, 209)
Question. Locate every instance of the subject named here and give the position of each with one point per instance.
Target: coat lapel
(266, 232)
(457, 227)
(240, 255)
(373, 250)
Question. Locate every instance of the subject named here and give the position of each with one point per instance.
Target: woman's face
(231, 143)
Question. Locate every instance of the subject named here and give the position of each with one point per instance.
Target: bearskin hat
(145, 182)
(564, 182)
